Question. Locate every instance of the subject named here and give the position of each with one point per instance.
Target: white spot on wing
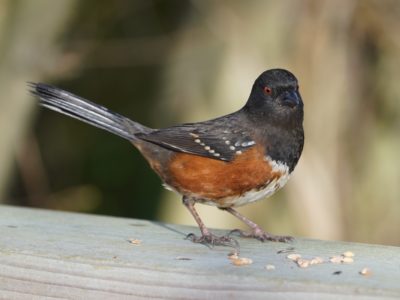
(247, 144)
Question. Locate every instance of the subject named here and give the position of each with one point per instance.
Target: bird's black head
(275, 98)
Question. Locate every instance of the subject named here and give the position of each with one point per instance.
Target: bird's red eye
(267, 90)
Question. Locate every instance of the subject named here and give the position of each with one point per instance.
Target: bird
(226, 162)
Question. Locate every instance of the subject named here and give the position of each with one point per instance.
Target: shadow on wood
(69, 255)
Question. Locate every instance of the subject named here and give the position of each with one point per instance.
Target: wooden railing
(49, 254)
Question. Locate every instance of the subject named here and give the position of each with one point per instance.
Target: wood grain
(48, 254)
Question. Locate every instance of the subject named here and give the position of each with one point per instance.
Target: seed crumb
(336, 259)
(347, 260)
(233, 255)
(241, 261)
(366, 272)
(135, 241)
(303, 263)
(348, 254)
(294, 256)
(270, 267)
(316, 260)
(342, 259)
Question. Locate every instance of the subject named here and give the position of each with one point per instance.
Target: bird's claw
(212, 240)
(262, 236)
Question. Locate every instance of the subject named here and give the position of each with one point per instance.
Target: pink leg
(257, 232)
(206, 237)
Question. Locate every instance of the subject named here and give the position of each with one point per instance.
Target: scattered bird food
(135, 241)
(270, 267)
(233, 255)
(345, 258)
(336, 259)
(294, 256)
(305, 263)
(366, 272)
(348, 254)
(316, 260)
(241, 261)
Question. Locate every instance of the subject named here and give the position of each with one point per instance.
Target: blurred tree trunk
(28, 30)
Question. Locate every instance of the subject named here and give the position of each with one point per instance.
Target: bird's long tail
(76, 107)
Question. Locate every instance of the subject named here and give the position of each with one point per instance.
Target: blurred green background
(164, 62)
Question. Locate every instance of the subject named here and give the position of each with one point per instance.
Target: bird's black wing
(219, 139)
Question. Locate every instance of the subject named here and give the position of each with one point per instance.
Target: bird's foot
(212, 240)
(262, 236)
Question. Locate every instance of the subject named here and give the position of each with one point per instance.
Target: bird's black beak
(291, 99)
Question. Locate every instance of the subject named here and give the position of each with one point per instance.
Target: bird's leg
(257, 232)
(206, 237)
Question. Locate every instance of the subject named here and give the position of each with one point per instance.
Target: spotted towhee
(226, 162)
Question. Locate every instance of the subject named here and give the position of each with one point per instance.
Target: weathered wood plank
(48, 254)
